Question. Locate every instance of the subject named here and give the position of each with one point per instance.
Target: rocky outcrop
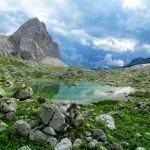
(30, 42)
(25, 92)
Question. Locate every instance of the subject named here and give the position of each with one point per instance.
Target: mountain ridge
(138, 61)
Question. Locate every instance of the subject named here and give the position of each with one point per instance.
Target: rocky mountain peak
(30, 42)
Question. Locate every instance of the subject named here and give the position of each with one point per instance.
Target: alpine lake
(81, 93)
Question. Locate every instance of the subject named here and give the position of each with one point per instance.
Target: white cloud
(74, 57)
(133, 4)
(110, 62)
(84, 42)
(56, 13)
(146, 47)
(114, 44)
(107, 62)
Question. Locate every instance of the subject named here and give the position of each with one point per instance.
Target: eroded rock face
(30, 41)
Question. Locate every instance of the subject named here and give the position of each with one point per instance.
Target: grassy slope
(128, 123)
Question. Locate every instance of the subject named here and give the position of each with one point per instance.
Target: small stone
(9, 116)
(3, 126)
(8, 106)
(108, 120)
(140, 148)
(77, 142)
(138, 135)
(88, 139)
(88, 133)
(116, 146)
(2, 92)
(64, 144)
(50, 131)
(24, 148)
(121, 105)
(23, 93)
(37, 135)
(41, 99)
(93, 143)
(21, 127)
(99, 134)
(52, 141)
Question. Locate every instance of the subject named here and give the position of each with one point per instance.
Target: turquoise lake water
(83, 93)
(87, 92)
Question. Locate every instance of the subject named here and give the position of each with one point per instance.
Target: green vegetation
(133, 126)
(140, 94)
(129, 123)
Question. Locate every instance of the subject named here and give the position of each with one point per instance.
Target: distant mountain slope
(138, 61)
(30, 42)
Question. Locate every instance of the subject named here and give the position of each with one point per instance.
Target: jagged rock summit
(31, 42)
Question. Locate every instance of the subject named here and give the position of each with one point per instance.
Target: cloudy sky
(90, 33)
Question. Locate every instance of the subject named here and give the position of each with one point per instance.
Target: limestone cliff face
(30, 41)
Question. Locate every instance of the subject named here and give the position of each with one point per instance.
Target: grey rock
(41, 99)
(99, 134)
(24, 148)
(8, 82)
(52, 141)
(116, 146)
(58, 121)
(88, 139)
(108, 120)
(30, 41)
(77, 142)
(8, 106)
(23, 93)
(52, 116)
(21, 128)
(113, 113)
(74, 117)
(38, 135)
(63, 109)
(46, 114)
(3, 126)
(2, 92)
(121, 105)
(49, 131)
(88, 133)
(141, 105)
(64, 144)
(93, 143)
(68, 74)
(9, 116)
(140, 148)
